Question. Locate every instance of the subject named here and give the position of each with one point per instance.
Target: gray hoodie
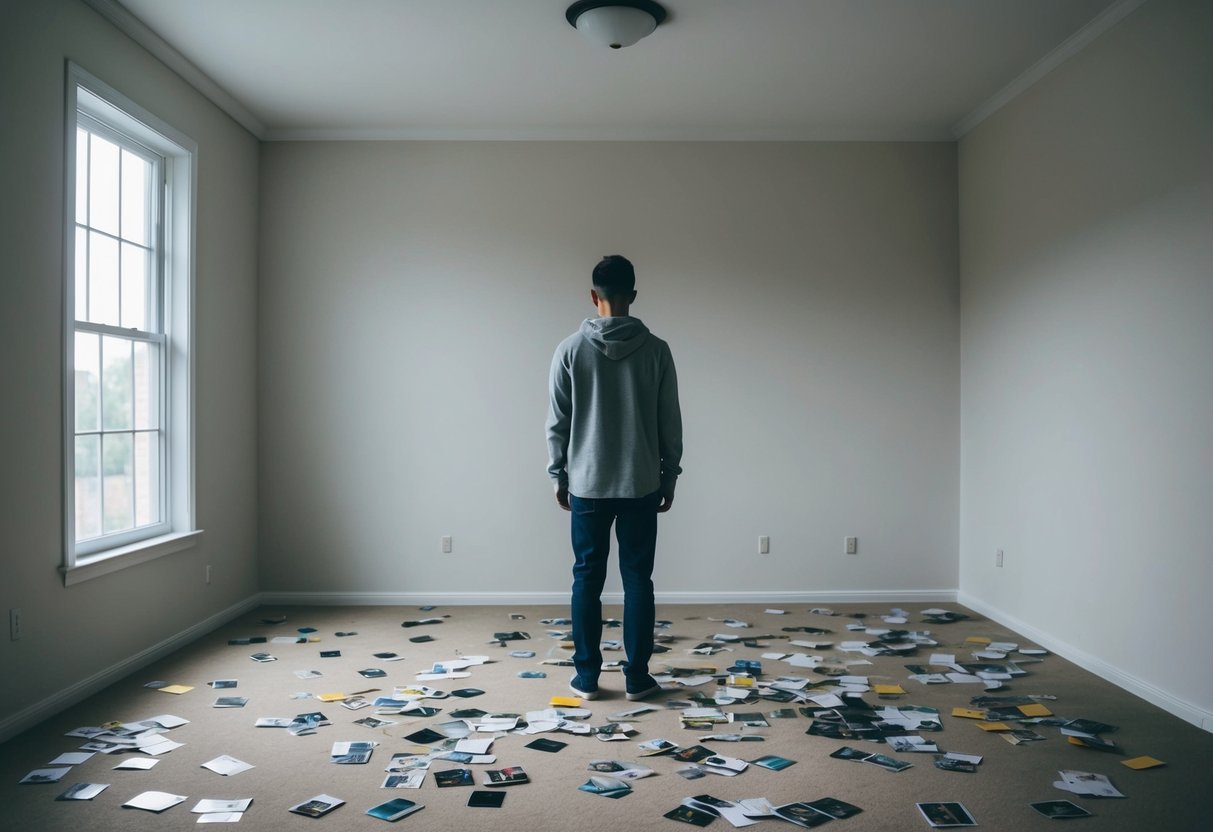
(614, 427)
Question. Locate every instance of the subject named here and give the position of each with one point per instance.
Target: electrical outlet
(14, 624)
(998, 558)
(764, 545)
(852, 544)
(446, 545)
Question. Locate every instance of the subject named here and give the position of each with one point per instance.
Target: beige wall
(1086, 212)
(74, 633)
(413, 293)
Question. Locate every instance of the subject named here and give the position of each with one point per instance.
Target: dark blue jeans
(635, 522)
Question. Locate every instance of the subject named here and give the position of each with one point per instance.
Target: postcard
(802, 814)
(394, 809)
(45, 775)
(226, 765)
(263, 657)
(651, 748)
(177, 689)
(544, 744)
(691, 815)
(911, 743)
(486, 800)
(733, 813)
(888, 763)
(426, 736)
(317, 806)
(848, 753)
(947, 763)
(946, 814)
(404, 779)
(223, 684)
(155, 801)
(83, 791)
(1060, 809)
(230, 702)
(137, 763)
(511, 776)
(606, 786)
(1086, 783)
(211, 806)
(351, 753)
(773, 762)
(728, 766)
(834, 807)
(693, 754)
(72, 758)
(453, 777)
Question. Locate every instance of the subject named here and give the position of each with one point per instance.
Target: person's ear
(633, 300)
(594, 299)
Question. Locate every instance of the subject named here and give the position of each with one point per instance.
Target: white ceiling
(717, 69)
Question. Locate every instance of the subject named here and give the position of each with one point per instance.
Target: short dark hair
(614, 276)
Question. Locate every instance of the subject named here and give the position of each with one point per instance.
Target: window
(128, 446)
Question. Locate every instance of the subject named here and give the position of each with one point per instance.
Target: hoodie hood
(616, 337)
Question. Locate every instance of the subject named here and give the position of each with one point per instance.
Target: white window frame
(92, 102)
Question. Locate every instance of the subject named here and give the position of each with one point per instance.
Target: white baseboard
(1186, 711)
(27, 718)
(416, 599)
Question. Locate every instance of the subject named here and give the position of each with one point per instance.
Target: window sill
(112, 560)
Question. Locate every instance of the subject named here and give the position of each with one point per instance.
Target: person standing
(614, 431)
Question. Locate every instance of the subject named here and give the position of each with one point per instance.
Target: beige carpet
(289, 769)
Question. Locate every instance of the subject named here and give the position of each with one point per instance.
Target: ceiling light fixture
(615, 23)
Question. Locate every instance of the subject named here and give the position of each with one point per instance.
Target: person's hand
(562, 497)
(666, 504)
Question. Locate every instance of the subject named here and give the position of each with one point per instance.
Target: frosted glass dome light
(615, 24)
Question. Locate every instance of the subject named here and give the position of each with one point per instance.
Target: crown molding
(1070, 47)
(162, 50)
(607, 134)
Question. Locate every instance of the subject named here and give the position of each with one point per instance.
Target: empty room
(355, 352)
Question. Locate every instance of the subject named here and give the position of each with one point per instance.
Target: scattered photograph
(317, 806)
(486, 800)
(946, 814)
(394, 809)
(687, 814)
(453, 777)
(1060, 809)
(404, 779)
(888, 763)
(834, 807)
(802, 814)
(544, 744)
(773, 762)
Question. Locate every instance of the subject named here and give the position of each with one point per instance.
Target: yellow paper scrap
(564, 701)
(177, 689)
(1138, 763)
(968, 713)
(888, 689)
(331, 697)
(1035, 710)
(978, 640)
(995, 726)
